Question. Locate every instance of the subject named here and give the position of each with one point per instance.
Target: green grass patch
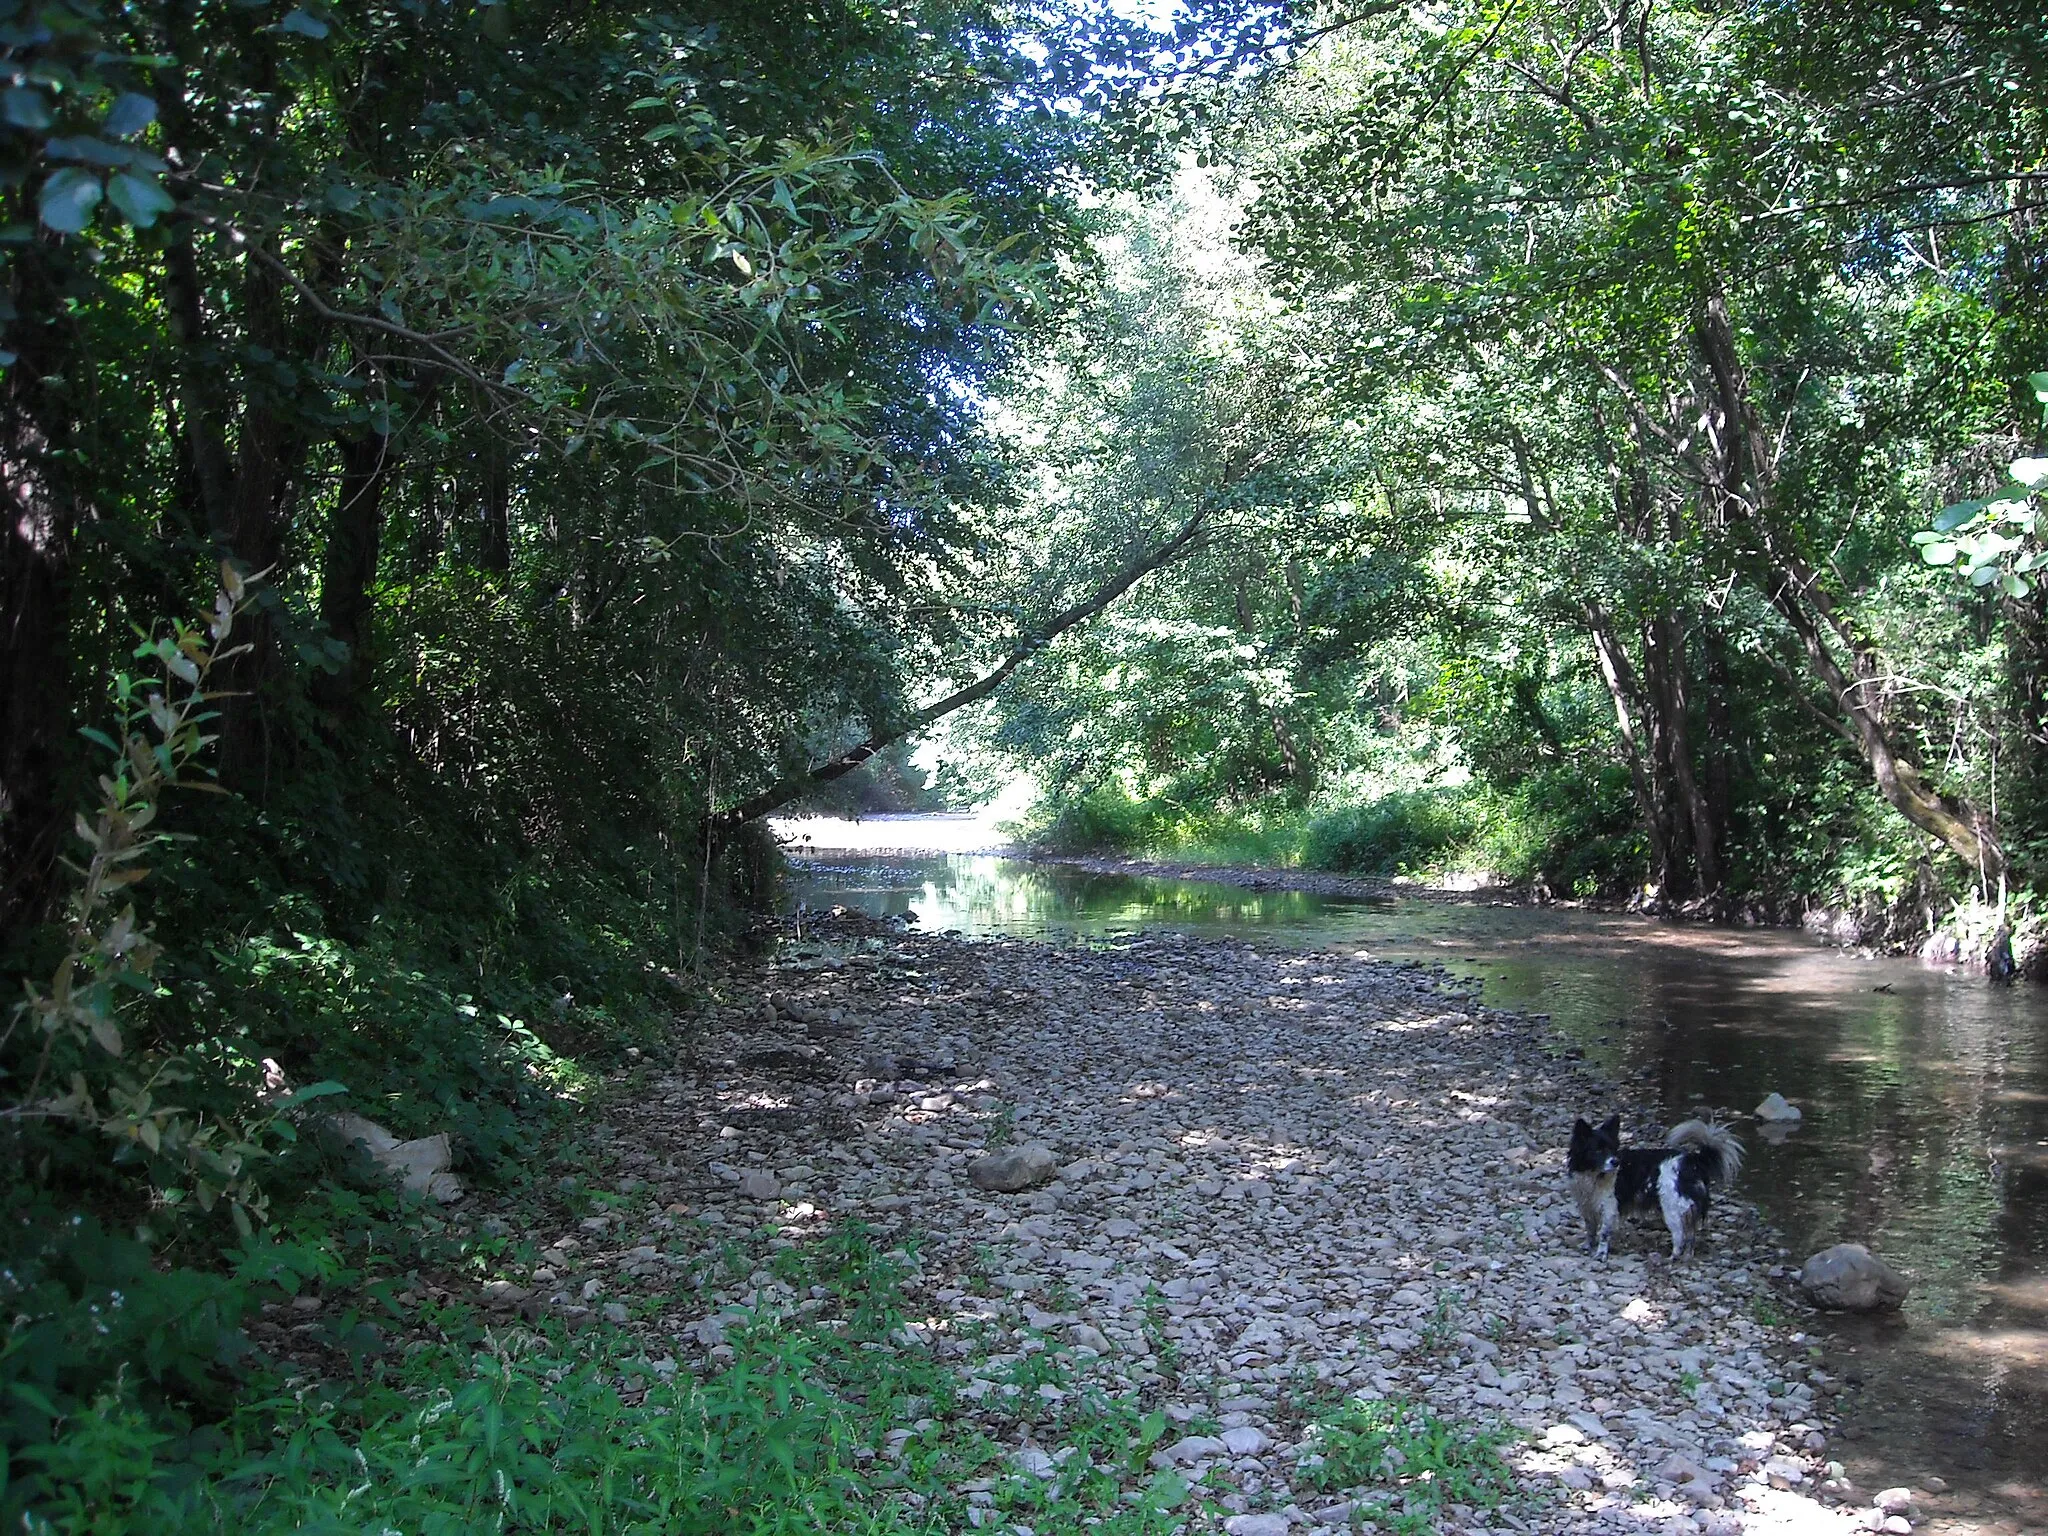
(840, 1422)
(1405, 1464)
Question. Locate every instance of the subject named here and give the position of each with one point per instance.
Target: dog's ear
(1612, 1127)
(1581, 1130)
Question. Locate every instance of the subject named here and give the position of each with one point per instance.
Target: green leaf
(130, 114)
(1953, 517)
(25, 108)
(305, 1095)
(2032, 473)
(303, 24)
(68, 199)
(140, 198)
(1938, 553)
(2040, 383)
(2012, 584)
(1165, 1490)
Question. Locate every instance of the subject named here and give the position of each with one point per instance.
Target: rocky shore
(1276, 1181)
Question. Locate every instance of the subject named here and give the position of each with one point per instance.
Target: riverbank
(1280, 1182)
(1967, 939)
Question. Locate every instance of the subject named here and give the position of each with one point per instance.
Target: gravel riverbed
(1278, 1178)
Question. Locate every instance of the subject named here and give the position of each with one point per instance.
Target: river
(1925, 1095)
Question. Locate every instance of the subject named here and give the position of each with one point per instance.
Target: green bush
(1408, 832)
(1104, 820)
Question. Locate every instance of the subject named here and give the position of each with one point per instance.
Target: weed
(1765, 1310)
(1409, 1462)
(1442, 1326)
(1164, 1349)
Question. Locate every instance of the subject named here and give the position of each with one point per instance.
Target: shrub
(1407, 832)
(1105, 820)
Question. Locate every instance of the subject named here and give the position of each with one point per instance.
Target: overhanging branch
(792, 786)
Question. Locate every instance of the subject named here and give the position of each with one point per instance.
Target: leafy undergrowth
(839, 1421)
(842, 1422)
(1408, 1465)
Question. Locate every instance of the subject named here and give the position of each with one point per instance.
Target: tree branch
(792, 786)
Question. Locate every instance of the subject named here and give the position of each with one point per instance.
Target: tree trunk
(1955, 822)
(1747, 484)
(1619, 674)
(496, 555)
(1720, 744)
(349, 569)
(1301, 765)
(38, 520)
(1664, 666)
(245, 487)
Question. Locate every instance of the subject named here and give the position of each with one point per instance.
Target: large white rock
(1776, 1111)
(1850, 1278)
(421, 1165)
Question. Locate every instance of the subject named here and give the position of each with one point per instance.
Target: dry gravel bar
(1325, 1172)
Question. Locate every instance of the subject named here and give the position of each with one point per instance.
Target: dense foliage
(581, 405)
(1639, 350)
(1600, 444)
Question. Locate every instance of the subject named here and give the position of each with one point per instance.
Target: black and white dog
(1669, 1181)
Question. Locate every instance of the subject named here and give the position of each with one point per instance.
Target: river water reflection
(1925, 1093)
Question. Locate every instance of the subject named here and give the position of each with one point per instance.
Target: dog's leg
(1610, 1216)
(1677, 1207)
(1586, 1195)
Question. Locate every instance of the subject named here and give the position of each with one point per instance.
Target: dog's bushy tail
(1713, 1142)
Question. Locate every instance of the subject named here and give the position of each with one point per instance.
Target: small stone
(1679, 1469)
(759, 1184)
(1775, 1110)
(1784, 1472)
(1033, 1462)
(1934, 1484)
(1256, 1525)
(1191, 1448)
(1013, 1169)
(1087, 1336)
(1245, 1440)
(1894, 1501)
(615, 1312)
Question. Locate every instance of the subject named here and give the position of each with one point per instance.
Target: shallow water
(1925, 1094)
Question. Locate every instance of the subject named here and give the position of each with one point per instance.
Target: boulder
(1774, 1110)
(421, 1165)
(1013, 1169)
(1850, 1278)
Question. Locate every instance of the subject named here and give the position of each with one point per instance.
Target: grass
(1406, 1464)
(1565, 830)
(478, 1426)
